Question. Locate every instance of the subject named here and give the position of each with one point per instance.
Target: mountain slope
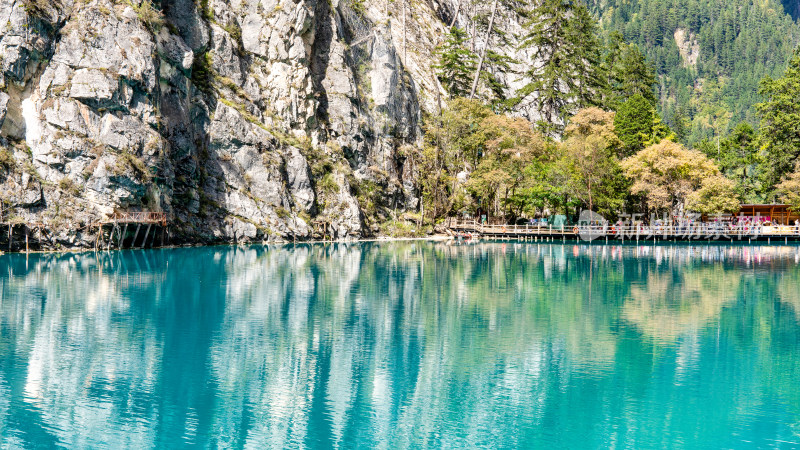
(709, 55)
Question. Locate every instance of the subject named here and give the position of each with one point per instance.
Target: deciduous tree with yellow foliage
(674, 178)
(789, 188)
(589, 160)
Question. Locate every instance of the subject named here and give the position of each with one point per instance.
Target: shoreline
(432, 238)
(80, 250)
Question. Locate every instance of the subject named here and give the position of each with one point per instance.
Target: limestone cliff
(241, 119)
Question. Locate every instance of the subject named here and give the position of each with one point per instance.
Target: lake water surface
(395, 345)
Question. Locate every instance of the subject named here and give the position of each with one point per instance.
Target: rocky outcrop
(241, 119)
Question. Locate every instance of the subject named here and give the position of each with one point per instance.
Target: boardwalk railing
(713, 230)
(476, 227)
(143, 217)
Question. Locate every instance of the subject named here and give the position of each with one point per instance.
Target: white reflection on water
(60, 314)
(398, 344)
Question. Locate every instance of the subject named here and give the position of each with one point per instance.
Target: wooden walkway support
(118, 224)
(33, 235)
(111, 233)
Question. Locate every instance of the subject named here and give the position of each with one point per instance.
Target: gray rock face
(185, 17)
(173, 50)
(243, 120)
(299, 178)
(4, 98)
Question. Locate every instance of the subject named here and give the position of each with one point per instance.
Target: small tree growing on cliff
(456, 63)
(565, 72)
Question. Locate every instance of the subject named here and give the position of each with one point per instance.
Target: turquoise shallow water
(397, 345)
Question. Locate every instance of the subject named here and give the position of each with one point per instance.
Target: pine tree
(486, 45)
(680, 125)
(495, 66)
(564, 72)
(456, 63)
(737, 156)
(492, 68)
(628, 72)
(638, 125)
(636, 75)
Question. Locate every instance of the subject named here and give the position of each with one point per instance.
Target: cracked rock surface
(243, 120)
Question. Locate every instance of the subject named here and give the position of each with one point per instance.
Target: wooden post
(122, 237)
(136, 235)
(110, 237)
(153, 239)
(27, 248)
(146, 232)
(10, 235)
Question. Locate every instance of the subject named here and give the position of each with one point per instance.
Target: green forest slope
(710, 55)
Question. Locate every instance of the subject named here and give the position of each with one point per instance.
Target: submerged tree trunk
(483, 52)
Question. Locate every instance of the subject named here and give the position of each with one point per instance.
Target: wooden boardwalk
(695, 232)
(112, 232)
(117, 227)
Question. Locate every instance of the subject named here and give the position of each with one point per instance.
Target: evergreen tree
(634, 124)
(780, 122)
(681, 125)
(456, 63)
(636, 75)
(565, 72)
(492, 67)
(628, 71)
(495, 67)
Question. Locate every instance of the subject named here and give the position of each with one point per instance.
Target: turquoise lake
(403, 345)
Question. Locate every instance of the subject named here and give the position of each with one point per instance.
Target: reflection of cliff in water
(288, 346)
(59, 315)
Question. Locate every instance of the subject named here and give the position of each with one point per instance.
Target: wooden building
(775, 213)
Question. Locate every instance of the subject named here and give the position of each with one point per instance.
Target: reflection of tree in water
(425, 323)
(672, 304)
(789, 289)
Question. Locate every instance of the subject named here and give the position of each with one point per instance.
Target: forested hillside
(709, 55)
(682, 106)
